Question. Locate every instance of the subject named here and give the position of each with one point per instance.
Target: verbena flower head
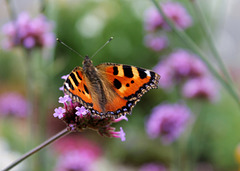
(178, 14)
(153, 20)
(168, 121)
(76, 154)
(156, 43)
(186, 69)
(173, 10)
(167, 74)
(28, 33)
(78, 118)
(152, 167)
(202, 88)
(74, 160)
(13, 104)
(179, 66)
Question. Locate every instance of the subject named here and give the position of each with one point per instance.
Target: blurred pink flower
(185, 69)
(76, 154)
(168, 121)
(74, 160)
(152, 167)
(28, 32)
(153, 20)
(156, 43)
(173, 10)
(13, 104)
(167, 74)
(73, 142)
(202, 87)
(178, 14)
(186, 64)
(179, 66)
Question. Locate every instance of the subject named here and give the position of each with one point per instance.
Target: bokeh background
(208, 139)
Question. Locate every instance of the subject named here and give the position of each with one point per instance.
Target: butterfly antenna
(69, 47)
(102, 47)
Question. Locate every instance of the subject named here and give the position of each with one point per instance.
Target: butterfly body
(109, 90)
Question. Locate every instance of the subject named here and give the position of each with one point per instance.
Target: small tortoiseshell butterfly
(109, 89)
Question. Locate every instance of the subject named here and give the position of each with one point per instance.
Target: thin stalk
(11, 12)
(31, 103)
(189, 42)
(208, 36)
(38, 148)
(42, 6)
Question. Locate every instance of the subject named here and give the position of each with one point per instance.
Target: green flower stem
(33, 151)
(11, 12)
(42, 6)
(189, 42)
(209, 39)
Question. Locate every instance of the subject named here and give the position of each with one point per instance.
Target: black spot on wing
(80, 78)
(72, 75)
(127, 71)
(117, 83)
(86, 89)
(115, 70)
(142, 73)
(127, 85)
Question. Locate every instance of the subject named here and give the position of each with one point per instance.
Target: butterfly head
(87, 62)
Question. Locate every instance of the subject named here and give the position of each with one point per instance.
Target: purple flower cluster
(156, 43)
(28, 32)
(154, 22)
(173, 10)
(78, 118)
(13, 104)
(76, 154)
(74, 160)
(168, 121)
(184, 68)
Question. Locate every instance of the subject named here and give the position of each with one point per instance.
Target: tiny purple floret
(64, 77)
(64, 99)
(121, 118)
(120, 134)
(81, 111)
(59, 112)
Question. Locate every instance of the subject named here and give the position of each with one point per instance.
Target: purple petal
(122, 134)
(29, 42)
(65, 77)
(64, 99)
(59, 112)
(81, 111)
(61, 88)
(121, 118)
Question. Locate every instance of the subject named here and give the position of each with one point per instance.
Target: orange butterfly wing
(76, 87)
(129, 82)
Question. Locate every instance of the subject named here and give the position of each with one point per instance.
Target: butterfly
(109, 89)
